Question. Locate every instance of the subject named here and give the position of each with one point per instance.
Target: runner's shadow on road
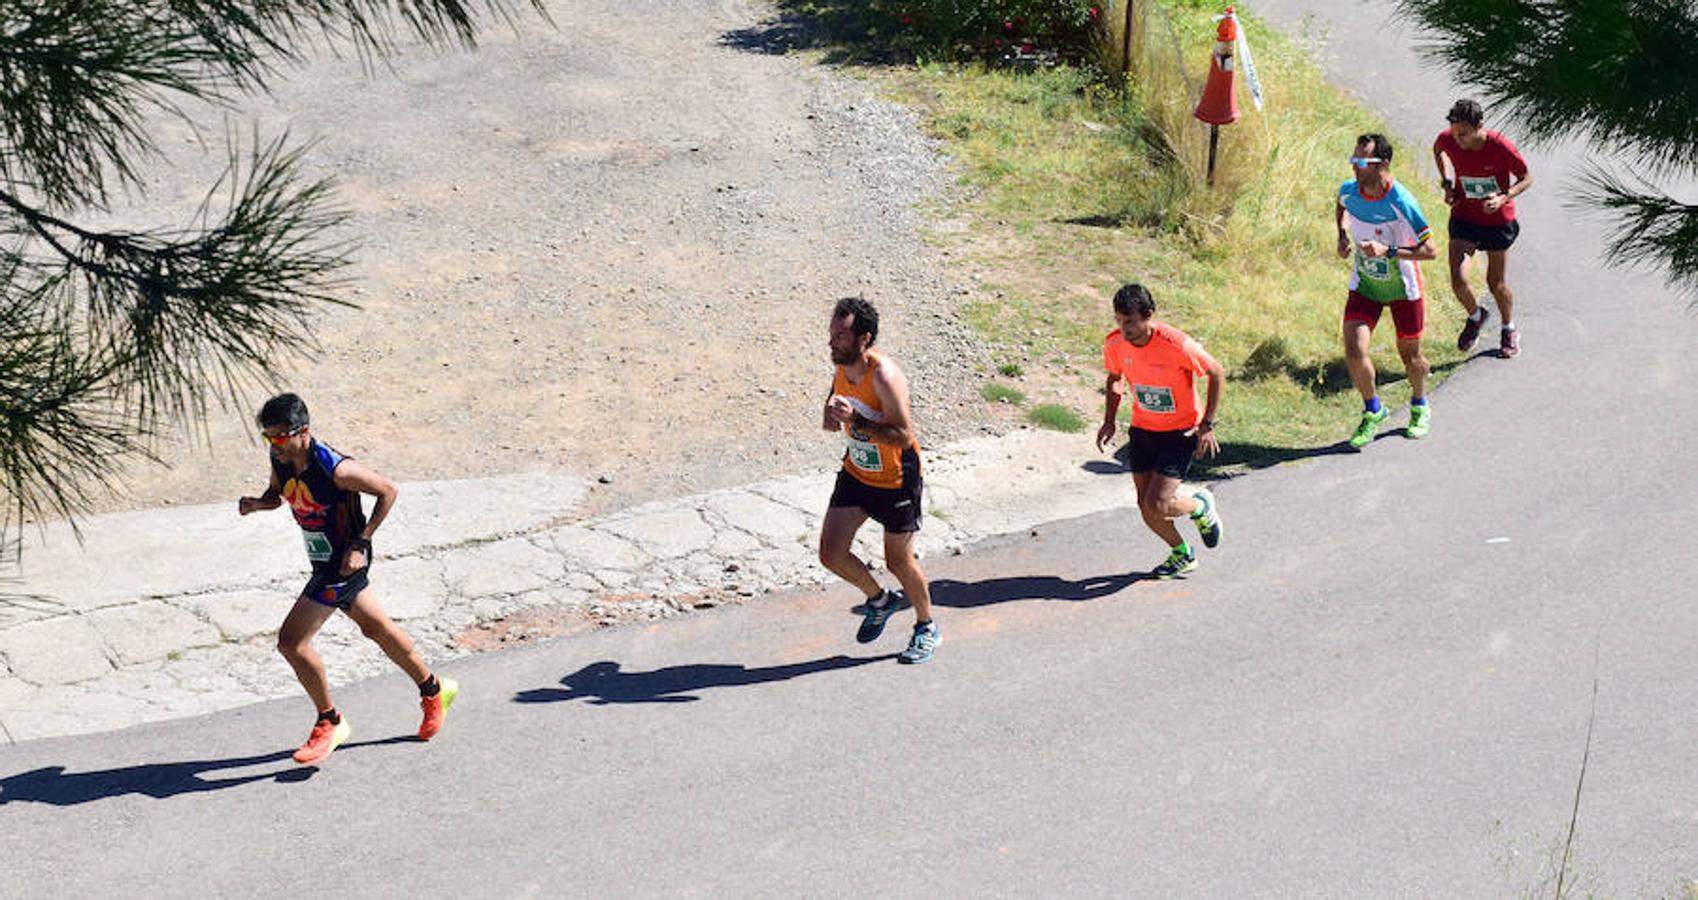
(56, 787)
(602, 683)
(969, 594)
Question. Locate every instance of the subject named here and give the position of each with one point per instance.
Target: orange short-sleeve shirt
(1161, 376)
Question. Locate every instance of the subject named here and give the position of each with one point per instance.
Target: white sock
(1478, 315)
(1509, 326)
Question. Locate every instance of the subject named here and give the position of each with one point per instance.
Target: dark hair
(1134, 298)
(283, 409)
(866, 318)
(1382, 146)
(1467, 111)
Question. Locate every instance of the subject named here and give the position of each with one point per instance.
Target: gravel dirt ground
(605, 248)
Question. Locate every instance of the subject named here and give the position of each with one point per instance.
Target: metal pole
(1126, 45)
(1214, 142)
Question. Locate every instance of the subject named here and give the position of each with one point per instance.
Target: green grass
(1056, 417)
(1071, 187)
(997, 392)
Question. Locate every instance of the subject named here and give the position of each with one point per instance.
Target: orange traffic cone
(1219, 105)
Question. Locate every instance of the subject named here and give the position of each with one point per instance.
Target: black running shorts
(328, 587)
(1167, 452)
(1485, 237)
(897, 509)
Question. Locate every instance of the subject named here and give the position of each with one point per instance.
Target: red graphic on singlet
(308, 512)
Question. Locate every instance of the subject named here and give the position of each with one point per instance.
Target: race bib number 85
(1154, 399)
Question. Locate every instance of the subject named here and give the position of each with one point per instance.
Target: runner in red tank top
(880, 478)
(1484, 175)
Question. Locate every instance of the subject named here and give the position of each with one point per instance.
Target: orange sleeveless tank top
(870, 462)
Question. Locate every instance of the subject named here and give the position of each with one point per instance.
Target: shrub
(1010, 30)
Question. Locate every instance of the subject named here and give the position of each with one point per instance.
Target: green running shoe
(1207, 517)
(1419, 421)
(1365, 429)
(1177, 563)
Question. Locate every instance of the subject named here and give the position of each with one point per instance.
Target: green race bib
(864, 455)
(1476, 188)
(318, 546)
(1377, 268)
(1154, 399)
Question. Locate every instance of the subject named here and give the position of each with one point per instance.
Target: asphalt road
(1382, 684)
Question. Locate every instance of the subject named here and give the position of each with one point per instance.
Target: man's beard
(846, 357)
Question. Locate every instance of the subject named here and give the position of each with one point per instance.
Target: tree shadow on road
(602, 683)
(54, 786)
(969, 594)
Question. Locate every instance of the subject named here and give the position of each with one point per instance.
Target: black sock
(920, 625)
(330, 715)
(430, 687)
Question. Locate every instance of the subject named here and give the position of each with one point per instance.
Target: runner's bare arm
(1424, 250)
(1444, 179)
(1496, 201)
(832, 418)
(352, 476)
(271, 499)
(1207, 443)
(1343, 238)
(1111, 406)
(897, 429)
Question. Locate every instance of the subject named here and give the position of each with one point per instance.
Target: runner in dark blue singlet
(323, 488)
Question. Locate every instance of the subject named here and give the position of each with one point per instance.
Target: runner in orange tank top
(880, 477)
(1160, 365)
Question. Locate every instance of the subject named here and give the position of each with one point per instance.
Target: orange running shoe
(325, 737)
(435, 708)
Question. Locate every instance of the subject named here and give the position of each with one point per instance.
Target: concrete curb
(167, 613)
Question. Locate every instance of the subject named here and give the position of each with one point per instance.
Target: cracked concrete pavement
(167, 613)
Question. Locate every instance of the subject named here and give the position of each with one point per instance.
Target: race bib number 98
(318, 546)
(864, 455)
(1154, 399)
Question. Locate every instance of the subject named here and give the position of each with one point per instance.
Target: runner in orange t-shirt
(1160, 365)
(880, 478)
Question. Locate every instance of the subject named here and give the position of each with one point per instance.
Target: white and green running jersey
(1393, 219)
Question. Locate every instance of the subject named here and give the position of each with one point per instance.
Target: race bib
(318, 546)
(1476, 188)
(864, 455)
(1154, 399)
(1376, 268)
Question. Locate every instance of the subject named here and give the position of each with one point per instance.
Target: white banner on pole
(1250, 78)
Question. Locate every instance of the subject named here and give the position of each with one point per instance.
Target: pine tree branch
(200, 312)
(1652, 228)
(1618, 72)
(60, 432)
